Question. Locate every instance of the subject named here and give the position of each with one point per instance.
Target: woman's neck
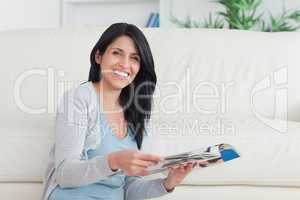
(109, 98)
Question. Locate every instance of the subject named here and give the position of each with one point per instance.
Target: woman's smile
(123, 75)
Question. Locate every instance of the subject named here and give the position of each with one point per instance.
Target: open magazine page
(204, 157)
(200, 158)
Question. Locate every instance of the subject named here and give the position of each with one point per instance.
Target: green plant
(242, 14)
(213, 23)
(187, 23)
(286, 22)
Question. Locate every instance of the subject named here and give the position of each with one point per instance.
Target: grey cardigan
(77, 130)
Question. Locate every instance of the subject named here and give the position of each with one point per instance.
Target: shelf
(99, 12)
(106, 1)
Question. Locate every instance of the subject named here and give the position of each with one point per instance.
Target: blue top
(111, 188)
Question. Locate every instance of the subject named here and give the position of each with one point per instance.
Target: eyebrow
(123, 50)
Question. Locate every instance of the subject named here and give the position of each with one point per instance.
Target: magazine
(204, 157)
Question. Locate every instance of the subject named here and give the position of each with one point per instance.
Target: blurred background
(261, 15)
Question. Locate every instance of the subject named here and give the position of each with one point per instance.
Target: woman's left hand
(176, 175)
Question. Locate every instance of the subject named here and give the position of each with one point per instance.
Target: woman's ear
(98, 57)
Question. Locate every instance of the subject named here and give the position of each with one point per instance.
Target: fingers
(136, 163)
(185, 168)
(148, 157)
(145, 160)
(190, 167)
(142, 163)
(143, 173)
(182, 168)
(138, 166)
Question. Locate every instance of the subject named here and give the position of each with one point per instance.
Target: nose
(125, 63)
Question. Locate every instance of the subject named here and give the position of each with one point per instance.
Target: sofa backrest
(202, 74)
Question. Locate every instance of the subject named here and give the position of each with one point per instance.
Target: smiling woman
(100, 126)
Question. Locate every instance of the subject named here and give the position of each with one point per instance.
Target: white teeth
(124, 74)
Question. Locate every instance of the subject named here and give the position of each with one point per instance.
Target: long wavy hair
(137, 110)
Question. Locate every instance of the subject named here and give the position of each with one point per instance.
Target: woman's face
(120, 63)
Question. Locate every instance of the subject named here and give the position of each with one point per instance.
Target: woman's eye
(136, 58)
(116, 53)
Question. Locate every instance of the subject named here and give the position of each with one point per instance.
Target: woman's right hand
(132, 162)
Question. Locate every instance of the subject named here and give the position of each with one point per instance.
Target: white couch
(213, 86)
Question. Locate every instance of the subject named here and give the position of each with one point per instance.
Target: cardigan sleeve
(137, 188)
(72, 169)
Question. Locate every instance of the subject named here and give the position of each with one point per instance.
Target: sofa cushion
(17, 191)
